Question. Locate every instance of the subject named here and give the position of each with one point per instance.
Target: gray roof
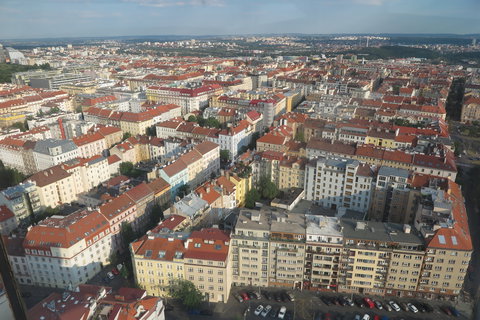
(389, 171)
(379, 231)
(44, 146)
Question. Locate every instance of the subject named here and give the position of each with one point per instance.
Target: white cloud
(177, 3)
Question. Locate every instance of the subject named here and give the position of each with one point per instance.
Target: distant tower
(474, 42)
(368, 38)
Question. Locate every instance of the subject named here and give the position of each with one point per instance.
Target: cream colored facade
(250, 249)
(157, 263)
(444, 271)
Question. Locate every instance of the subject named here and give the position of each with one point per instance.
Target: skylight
(454, 240)
(148, 253)
(441, 239)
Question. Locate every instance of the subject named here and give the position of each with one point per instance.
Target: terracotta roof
(158, 185)
(331, 146)
(200, 246)
(159, 248)
(5, 213)
(169, 223)
(205, 147)
(117, 206)
(65, 231)
(174, 168)
(49, 176)
(272, 139)
(139, 192)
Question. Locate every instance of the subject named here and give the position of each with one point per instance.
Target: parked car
(253, 295)
(266, 311)
(274, 313)
(115, 271)
(290, 296)
(283, 297)
(245, 296)
(385, 318)
(327, 316)
(427, 307)
(376, 317)
(454, 311)
(412, 307)
(349, 301)
(238, 297)
(358, 317)
(335, 301)
(258, 310)
(369, 303)
(394, 305)
(421, 307)
(404, 306)
(378, 304)
(278, 297)
(318, 316)
(446, 310)
(343, 302)
(326, 300)
(366, 317)
(359, 302)
(106, 279)
(119, 266)
(110, 275)
(387, 307)
(281, 313)
(268, 295)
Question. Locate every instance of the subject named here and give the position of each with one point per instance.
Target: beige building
(207, 263)
(324, 245)
(287, 249)
(250, 249)
(157, 263)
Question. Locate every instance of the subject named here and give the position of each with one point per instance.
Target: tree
(9, 176)
(126, 168)
(251, 197)
(20, 125)
(268, 189)
(224, 155)
(186, 292)
(300, 136)
(151, 131)
(458, 147)
(192, 118)
(126, 234)
(212, 123)
(183, 190)
(253, 143)
(156, 215)
(126, 135)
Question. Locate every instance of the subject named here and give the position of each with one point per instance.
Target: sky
(83, 18)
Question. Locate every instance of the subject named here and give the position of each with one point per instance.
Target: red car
(245, 296)
(115, 271)
(369, 303)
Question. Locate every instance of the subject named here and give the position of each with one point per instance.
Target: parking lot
(308, 305)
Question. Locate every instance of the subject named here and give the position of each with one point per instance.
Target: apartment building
(17, 154)
(189, 98)
(158, 262)
(8, 221)
(379, 258)
(64, 251)
(339, 183)
(90, 144)
(250, 249)
(324, 246)
(393, 200)
(442, 219)
(23, 200)
(287, 249)
(208, 264)
(50, 152)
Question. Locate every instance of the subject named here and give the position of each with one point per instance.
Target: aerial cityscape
(227, 159)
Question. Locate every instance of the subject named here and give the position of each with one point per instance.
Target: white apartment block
(50, 152)
(339, 183)
(67, 251)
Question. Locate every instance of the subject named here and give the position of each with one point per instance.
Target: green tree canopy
(192, 118)
(126, 135)
(251, 197)
(20, 125)
(300, 136)
(187, 293)
(253, 142)
(9, 176)
(268, 189)
(183, 190)
(126, 168)
(224, 155)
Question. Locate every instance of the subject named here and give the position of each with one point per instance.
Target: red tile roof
(208, 244)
